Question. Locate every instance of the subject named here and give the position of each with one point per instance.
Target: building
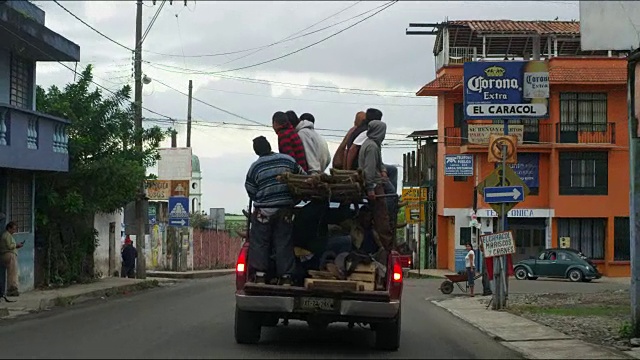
(575, 162)
(195, 193)
(29, 141)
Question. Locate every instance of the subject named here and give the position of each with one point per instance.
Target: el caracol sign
(506, 89)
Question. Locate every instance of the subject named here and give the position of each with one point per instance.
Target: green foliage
(626, 330)
(105, 169)
(199, 220)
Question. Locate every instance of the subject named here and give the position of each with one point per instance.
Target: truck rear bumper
(351, 308)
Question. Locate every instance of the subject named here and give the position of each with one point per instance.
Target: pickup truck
(259, 305)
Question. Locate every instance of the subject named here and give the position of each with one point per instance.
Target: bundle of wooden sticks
(340, 186)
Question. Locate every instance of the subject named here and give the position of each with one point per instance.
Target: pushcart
(447, 286)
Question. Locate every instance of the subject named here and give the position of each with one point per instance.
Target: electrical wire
(153, 21)
(294, 34)
(92, 28)
(386, 6)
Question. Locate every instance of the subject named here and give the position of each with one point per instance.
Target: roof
(423, 134)
(613, 71)
(195, 164)
(540, 27)
(444, 82)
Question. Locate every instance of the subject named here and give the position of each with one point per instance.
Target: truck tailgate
(296, 291)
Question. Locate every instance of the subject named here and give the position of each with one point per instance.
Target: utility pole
(189, 114)
(499, 262)
(140, 199)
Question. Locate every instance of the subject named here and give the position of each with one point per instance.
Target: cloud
(375, 54)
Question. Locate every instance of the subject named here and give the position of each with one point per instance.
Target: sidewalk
(530, 339)
(438, 273)
(41, 300)
(196, 274)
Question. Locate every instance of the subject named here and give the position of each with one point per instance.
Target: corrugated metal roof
(522, 27)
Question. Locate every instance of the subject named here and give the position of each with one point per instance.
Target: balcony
(30, 140)
(456, 56)
(546, 134)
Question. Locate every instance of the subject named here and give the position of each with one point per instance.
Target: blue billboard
(506, 90)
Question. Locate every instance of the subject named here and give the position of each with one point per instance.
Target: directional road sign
(503, 194)
(493, 180)
(178, 211)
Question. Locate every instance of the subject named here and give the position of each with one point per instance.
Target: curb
(509, 344)
(65, 301)
(190, 275)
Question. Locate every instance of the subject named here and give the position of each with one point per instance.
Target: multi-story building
(575, 161)
(30, 141)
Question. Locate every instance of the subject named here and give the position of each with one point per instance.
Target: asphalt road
(194, 319)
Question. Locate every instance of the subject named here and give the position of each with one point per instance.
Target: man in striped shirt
(288, 140)
(271, 221)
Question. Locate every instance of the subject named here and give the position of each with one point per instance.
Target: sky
(236, 54)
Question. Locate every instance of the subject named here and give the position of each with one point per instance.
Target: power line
(319, 101)
(386, 6)
(294, 34)
(153, 21)
(92, 28)
(74, 71)
(322, 88)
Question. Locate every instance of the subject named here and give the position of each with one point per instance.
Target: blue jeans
(471, 274)
(3, 280)
(339, 244)
(272, 236)
(392, 173)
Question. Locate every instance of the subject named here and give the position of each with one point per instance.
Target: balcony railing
(536, 133)
(30, 140)
(457, 56)
(586, 133)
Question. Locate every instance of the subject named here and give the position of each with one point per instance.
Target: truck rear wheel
(248, 327)
(388, 334)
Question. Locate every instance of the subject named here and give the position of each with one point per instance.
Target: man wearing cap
(271, 220)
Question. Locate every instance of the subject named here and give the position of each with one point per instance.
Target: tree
(105, 171)
(199, 220)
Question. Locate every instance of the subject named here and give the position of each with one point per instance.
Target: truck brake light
(242, 261)
(397, 272)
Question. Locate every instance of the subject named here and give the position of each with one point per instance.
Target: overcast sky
(373, 56)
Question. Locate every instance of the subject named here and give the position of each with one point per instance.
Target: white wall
(101, 254)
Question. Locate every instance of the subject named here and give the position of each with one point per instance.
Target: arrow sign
(180, 222)
(503, 194)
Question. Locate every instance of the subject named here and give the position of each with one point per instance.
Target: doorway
(112, 249)
(530, 236)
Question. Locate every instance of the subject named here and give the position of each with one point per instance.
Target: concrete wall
(101, 255)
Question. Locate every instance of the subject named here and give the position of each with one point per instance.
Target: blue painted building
(29, 141)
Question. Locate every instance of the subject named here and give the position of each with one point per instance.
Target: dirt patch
(601, 318)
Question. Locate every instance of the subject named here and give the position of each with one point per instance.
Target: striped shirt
(262, 184)
(289, 143)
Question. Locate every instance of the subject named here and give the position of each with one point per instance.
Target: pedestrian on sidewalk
(129, 256)
(470, 264)
(9, 256)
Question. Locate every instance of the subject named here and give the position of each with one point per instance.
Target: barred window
(20, 201)
(583, 111)
(587, 235)
(21, 80)
(584, 173)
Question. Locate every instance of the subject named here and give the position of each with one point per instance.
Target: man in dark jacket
(370, 162)
(271, 221)
(129, 256)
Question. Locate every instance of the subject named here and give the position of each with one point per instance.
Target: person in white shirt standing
(470, 264)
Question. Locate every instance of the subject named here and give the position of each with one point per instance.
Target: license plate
(317, 304)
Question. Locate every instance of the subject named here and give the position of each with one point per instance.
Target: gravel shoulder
(600, 317)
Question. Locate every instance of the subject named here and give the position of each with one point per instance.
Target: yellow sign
(414, 210)
(565, 242)
(497, 142)
(158, 189)
(494, 179)
(480, 134)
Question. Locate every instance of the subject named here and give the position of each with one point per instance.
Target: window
(21, 80)
(465, 235)
(621, 239)
(583, 111)
(564, 256)
(460, 178)
(20, 201)
(586, 235)
(584, 173)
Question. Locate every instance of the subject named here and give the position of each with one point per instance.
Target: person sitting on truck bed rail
(288, 140)
(316, 148)
(370, 161)
(271, 221)
(340, 156)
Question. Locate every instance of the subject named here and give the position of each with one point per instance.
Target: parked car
(557, 263)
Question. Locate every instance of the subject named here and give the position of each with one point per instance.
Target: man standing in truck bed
(370, 161)
(271, 221)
